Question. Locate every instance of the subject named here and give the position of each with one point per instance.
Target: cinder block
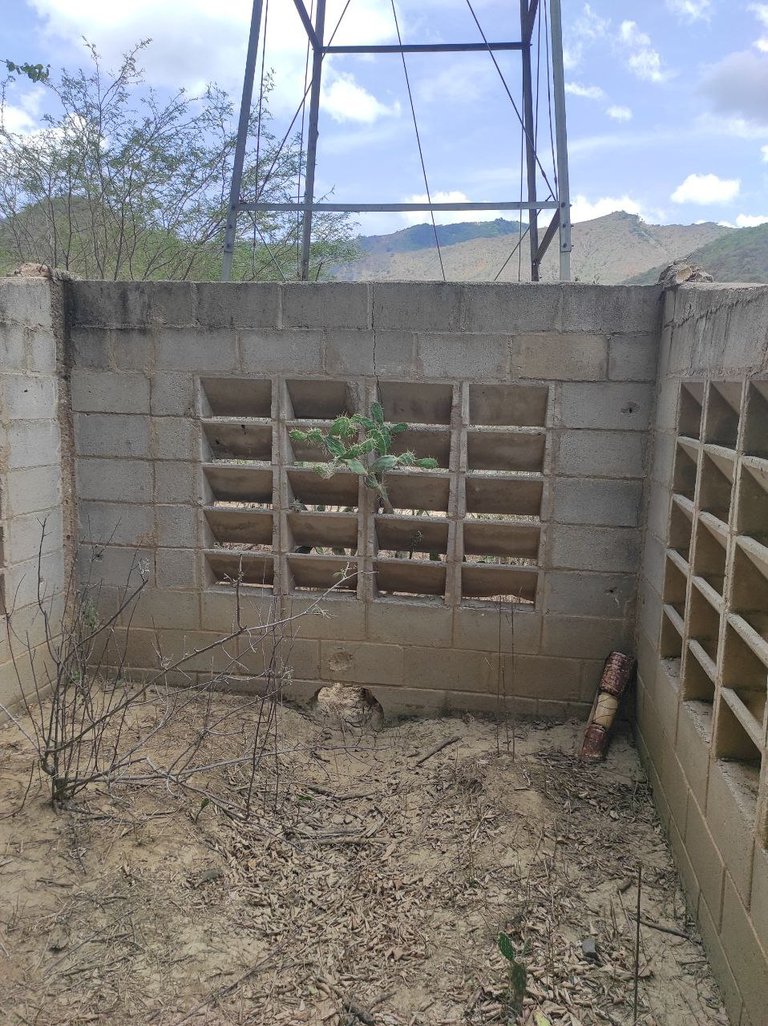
(117, 566)
(177, 526)
(616, 406)
(107, 304)
(493, 630)
(26, 397)
(362, 663)
(758, 907)
(666, 405)
(705, 859)
(349, 351)
(114, 480)
(26, 301)
(658, 511)
(624, 309)
(293, 351)
(394, 353)
(676, 790)
(417, 306)
(26, 536)
(450, 670)
(168, 609)
(89, 347)
(747, 958)
(218, 611)
(542, 677)
(652, 563)
(32, 491)
(238, 304)
(172, 395)
(609, 595)
(133, 349)
(663, 459)
(329, 618)
(649, 607)
(327, 305)
(40, 351)
(583, 637)
(111, 435)
(177, 482)
(599, 502)
(612, 549)
(615, 454)
(114, 523)
(692, 746)
(14, 339)
(21, 580)
(731, 827)
(175, 438)
(633, 357)
(554, 356)
(409, 625)
(719, 963)
(398, 702)
(513, 307)
(462, 355)
(196, 350)
(177, 568)
(685, 869)
(33, 443)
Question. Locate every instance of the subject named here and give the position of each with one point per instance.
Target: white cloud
(449, 216)
(583, 209)
(619, 113)
(586, 92)
(764, 154)
(751, 220)
(738, 84)
(345, 100)
(643, 60)
(691, 10)
(587, 28)
(704, 189)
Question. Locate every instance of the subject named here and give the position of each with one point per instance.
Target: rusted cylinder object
(617, 673)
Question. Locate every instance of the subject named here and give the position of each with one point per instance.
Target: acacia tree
(120, 183)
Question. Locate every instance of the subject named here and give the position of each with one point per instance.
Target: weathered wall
(32, 489)
(703, 624)
(535, 399)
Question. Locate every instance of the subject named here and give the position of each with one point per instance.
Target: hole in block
(684, 481)
(495, 542)
(752, 516)
(325, 533)
(715, 490)
(229, 440)
(675, 583)
(511, 497)
(749, 592)
(520, 405)
(414, 492)
(680, 529)
(416, 402)
(237, 397)
(421, 539)
(756, 428)
(704, 623)
(312, 399)
(709, 558)
(409, 577)
(723, 407)
(242, 528)
(314, 572)
(245, 486)
(745, 675)
(507, 584)
(310, 492)
(671, 644)
(424, 443)
(251, 569)
(734, 746)
(697, 684)
(495, 450)
(689, 410)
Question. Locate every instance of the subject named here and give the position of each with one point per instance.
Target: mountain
(607, 249)
(741, 255)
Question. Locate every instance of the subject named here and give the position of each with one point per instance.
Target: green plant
(34, 72)
(516, 972)
(364, 446)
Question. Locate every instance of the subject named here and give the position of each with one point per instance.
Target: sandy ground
(366, 887)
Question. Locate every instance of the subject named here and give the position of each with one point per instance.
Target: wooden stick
(662, 929)
(437, 748)
(637, 941)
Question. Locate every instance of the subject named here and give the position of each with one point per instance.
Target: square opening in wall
(671, 643)
(247, 487)
(325, 533)
(416, 402)
(675, 584)
(507, 496)
(320, 399)
(684, 481)
(716, 487)
(238, 440)
(506, 450)
(414, 492)
(735, 747)
(241, 528)
(723, 408)
(309, 491)
(756, 428)
(698, 686)
(237, 397)
(322, 572)
(752, 513)
(689, 410)
(704, 623)
(406, 577)
(509, 585)
(496, 542)
(250, 569)
(709, 558)
(680, 528)
(513, 405)
(417, 539)
(746, 676)
(424, 442)
(749, 586)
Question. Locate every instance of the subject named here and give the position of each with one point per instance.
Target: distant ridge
(608, 250)
(741, 255)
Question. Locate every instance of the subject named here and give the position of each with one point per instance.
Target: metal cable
(517, 246)
(418, 139)
(506, 88)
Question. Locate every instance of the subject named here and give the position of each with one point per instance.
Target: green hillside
(741, 255)
(422, 236)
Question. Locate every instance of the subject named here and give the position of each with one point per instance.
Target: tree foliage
(121, 183)
(34, 72)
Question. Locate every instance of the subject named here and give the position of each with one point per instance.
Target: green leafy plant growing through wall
(517, 974)
(364, 446)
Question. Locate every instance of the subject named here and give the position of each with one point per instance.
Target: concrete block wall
(703, 624)
(183, 396)
(33, 493)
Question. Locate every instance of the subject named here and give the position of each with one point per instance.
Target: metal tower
(555, 207)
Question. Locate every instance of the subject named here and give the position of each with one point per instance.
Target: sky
(667, 101)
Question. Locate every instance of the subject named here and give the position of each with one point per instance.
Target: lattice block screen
(468, 531)
(714, 631)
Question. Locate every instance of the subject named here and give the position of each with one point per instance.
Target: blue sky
(667, 100)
